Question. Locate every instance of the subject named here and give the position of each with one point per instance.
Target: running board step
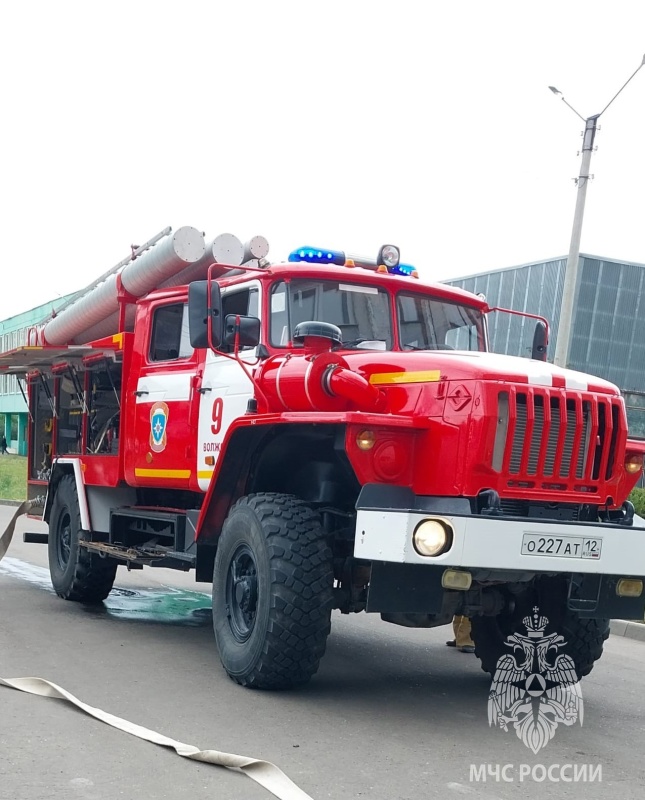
(132, 527)
(152, 556)
(35, 538)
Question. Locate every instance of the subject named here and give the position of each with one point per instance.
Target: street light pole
(563, 343)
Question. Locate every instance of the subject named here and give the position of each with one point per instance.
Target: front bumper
(495, 543)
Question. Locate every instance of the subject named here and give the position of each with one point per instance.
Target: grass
(13, 477)
(638, 499)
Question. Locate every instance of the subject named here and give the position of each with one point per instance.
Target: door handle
(141, 392)
(204, 389)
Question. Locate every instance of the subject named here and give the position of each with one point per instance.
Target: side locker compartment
(102, 453)
(42, 411)
(103, 387)
(70, 411)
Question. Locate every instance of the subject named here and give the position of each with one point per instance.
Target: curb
(630, 630)
(10, 502)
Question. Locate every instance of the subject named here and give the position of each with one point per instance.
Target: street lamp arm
(557, 92)
(623, 86)
(573, 109)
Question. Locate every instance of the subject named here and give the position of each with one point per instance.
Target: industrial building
(607, 327)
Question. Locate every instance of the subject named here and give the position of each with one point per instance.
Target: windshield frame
(392, 291)
(480, 326)
(358, 287)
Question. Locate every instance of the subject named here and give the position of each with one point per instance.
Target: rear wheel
(583, 638)
(272, 592)
(76, 574)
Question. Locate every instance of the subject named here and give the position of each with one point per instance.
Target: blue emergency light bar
(388, 260)
(407, 270)
(312, 255)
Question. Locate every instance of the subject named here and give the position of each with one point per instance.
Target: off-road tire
(583, 638)
(272, 592)
(76, 574)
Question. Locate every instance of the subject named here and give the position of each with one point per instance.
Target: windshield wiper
(355, 342)
(428, 347)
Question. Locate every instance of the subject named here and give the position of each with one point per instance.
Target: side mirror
(247, 327)
(204, 312)
(540, 342)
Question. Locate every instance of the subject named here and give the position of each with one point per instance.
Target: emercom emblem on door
(158, 424)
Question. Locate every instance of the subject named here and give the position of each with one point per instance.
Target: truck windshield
(361, 312)
(427, 323)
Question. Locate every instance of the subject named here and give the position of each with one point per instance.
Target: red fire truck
(325, 433)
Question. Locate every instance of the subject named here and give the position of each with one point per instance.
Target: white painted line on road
(265, 773)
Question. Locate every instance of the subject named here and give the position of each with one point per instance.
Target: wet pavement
(166, 605)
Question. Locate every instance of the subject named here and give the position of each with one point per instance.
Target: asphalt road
(393, 714)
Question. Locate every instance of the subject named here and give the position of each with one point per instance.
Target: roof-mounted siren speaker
(255, 251)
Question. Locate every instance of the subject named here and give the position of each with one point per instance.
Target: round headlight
(431, 538)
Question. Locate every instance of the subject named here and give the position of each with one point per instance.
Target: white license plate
(536, 544)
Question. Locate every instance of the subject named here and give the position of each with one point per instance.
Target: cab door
(225, 388)
(162, 450)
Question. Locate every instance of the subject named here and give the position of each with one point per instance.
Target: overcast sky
(336, 124)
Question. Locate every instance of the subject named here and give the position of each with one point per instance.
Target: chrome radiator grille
(551, 434)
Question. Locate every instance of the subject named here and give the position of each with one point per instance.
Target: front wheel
(76, 573)
(272, 592)
(583, 638)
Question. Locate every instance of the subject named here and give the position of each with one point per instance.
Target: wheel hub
(246, 593)
(242, 593)
(64, 540)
